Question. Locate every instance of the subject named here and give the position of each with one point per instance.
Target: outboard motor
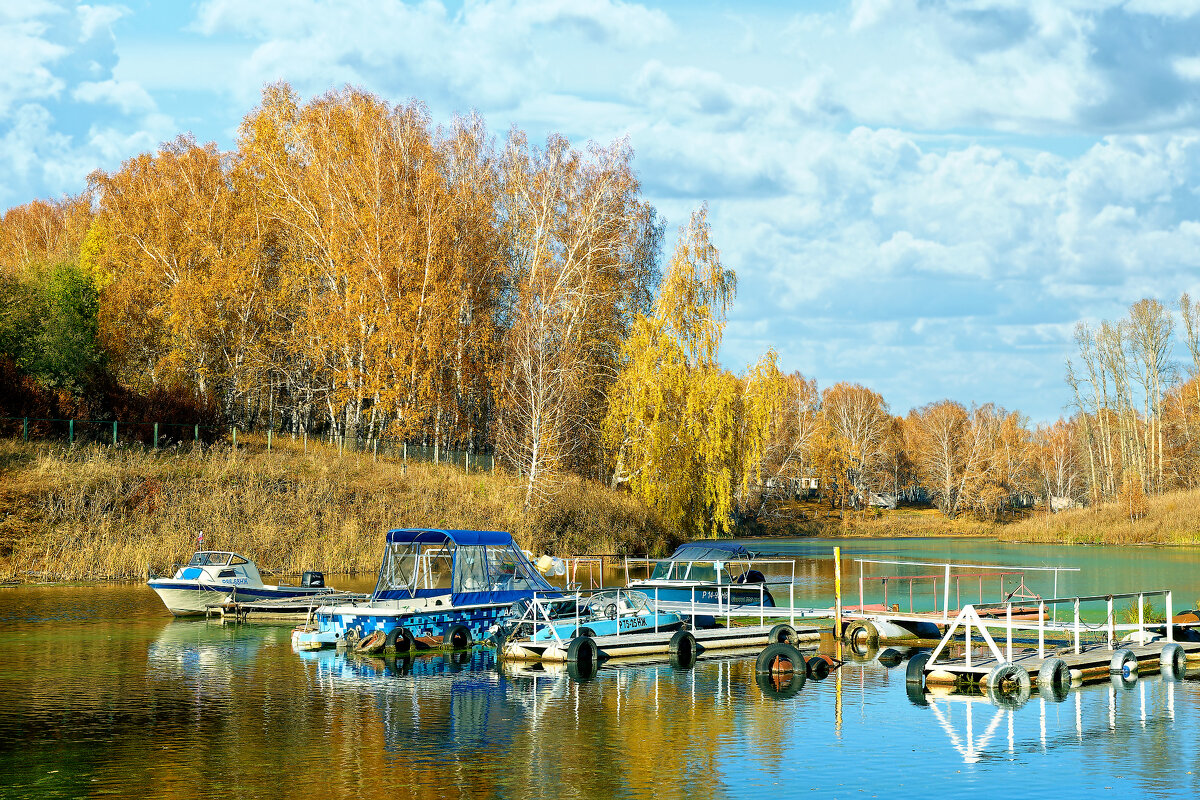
(313, 580)
(752, 576)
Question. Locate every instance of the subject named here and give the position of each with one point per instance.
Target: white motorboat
(213, 577)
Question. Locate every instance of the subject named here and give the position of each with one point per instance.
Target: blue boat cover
(716, 548)
(432, 536)
(532, 580)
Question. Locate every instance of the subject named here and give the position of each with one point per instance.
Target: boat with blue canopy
(448, 586)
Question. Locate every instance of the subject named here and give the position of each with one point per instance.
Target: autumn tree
(856, 426)
(581, 250)
(684, 435)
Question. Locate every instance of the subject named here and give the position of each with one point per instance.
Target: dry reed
(99, 512)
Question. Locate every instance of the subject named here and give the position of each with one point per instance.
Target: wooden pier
(288, 609)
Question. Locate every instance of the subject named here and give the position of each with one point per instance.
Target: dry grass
(809, 518)
(1172, 519)
(100, 512)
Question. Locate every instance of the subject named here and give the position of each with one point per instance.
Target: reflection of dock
(977, 730)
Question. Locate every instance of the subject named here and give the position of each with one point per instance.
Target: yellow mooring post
(837, 601)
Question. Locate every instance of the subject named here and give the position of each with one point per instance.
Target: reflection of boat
(205, 655)
(213, 577)
(434, 583)
(706, 573)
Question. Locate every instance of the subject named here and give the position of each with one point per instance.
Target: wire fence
(156, 435)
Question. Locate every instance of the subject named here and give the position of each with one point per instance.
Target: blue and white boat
(706, 574)
(445, 585)
(213, 577)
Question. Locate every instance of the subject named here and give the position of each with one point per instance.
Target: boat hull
(187, 598)
(185, 601)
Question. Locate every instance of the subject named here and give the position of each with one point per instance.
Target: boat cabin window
(227, 573)
(238, 560)
(412, 566)
(494, 568)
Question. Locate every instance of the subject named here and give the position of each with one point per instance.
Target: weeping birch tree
(684, 435)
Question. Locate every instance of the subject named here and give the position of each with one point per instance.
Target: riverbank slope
(100, 512)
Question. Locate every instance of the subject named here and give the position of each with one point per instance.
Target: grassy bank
(1170, 519)
(112, 513)
(814, 518)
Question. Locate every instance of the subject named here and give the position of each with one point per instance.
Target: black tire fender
(1054, 672)
(399, 640)
(1172, 662)
(584, 654)
(457, 637)
(914, 673)
(782, 633)
(1123, 663)
(817, 668)
(779, 657)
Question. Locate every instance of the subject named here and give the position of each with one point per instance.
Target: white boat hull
(188, 602)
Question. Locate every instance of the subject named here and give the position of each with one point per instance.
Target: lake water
(103, 694)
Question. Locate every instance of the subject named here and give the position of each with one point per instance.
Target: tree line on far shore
(350, 267)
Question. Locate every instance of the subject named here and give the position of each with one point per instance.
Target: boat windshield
(207, 559)
(414, 566)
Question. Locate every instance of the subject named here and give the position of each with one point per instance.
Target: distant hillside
(113, 513)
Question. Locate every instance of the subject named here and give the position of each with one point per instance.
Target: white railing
(969, 618)
(947, 573)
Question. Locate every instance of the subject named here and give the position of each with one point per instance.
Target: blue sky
(920, 196)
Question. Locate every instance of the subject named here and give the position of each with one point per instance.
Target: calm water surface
(104, 694)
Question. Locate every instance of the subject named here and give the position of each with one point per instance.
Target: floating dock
(664, 643)
(287, 609)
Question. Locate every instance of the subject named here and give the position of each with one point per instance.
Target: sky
(924, 197)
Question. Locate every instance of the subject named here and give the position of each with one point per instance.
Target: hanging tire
(914, 673)
(588, 632)
(1053, 673)
(457, 637)
(371, 644)
(399, 640)
(1124, 663)
(817, 668)
(780, 686)
(863, 633)
(1172, 662)
(682, 649)
(1008, 685)
(584, 654)
(782, 633)
(779, 657)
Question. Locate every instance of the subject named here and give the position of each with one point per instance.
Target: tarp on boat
(468, 567)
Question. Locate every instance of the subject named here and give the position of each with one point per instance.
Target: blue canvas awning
(710, 549)
(434, 535)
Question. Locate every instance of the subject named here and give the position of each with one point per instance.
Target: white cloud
(58, 86)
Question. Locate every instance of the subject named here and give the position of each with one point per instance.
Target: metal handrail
(968, 617)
